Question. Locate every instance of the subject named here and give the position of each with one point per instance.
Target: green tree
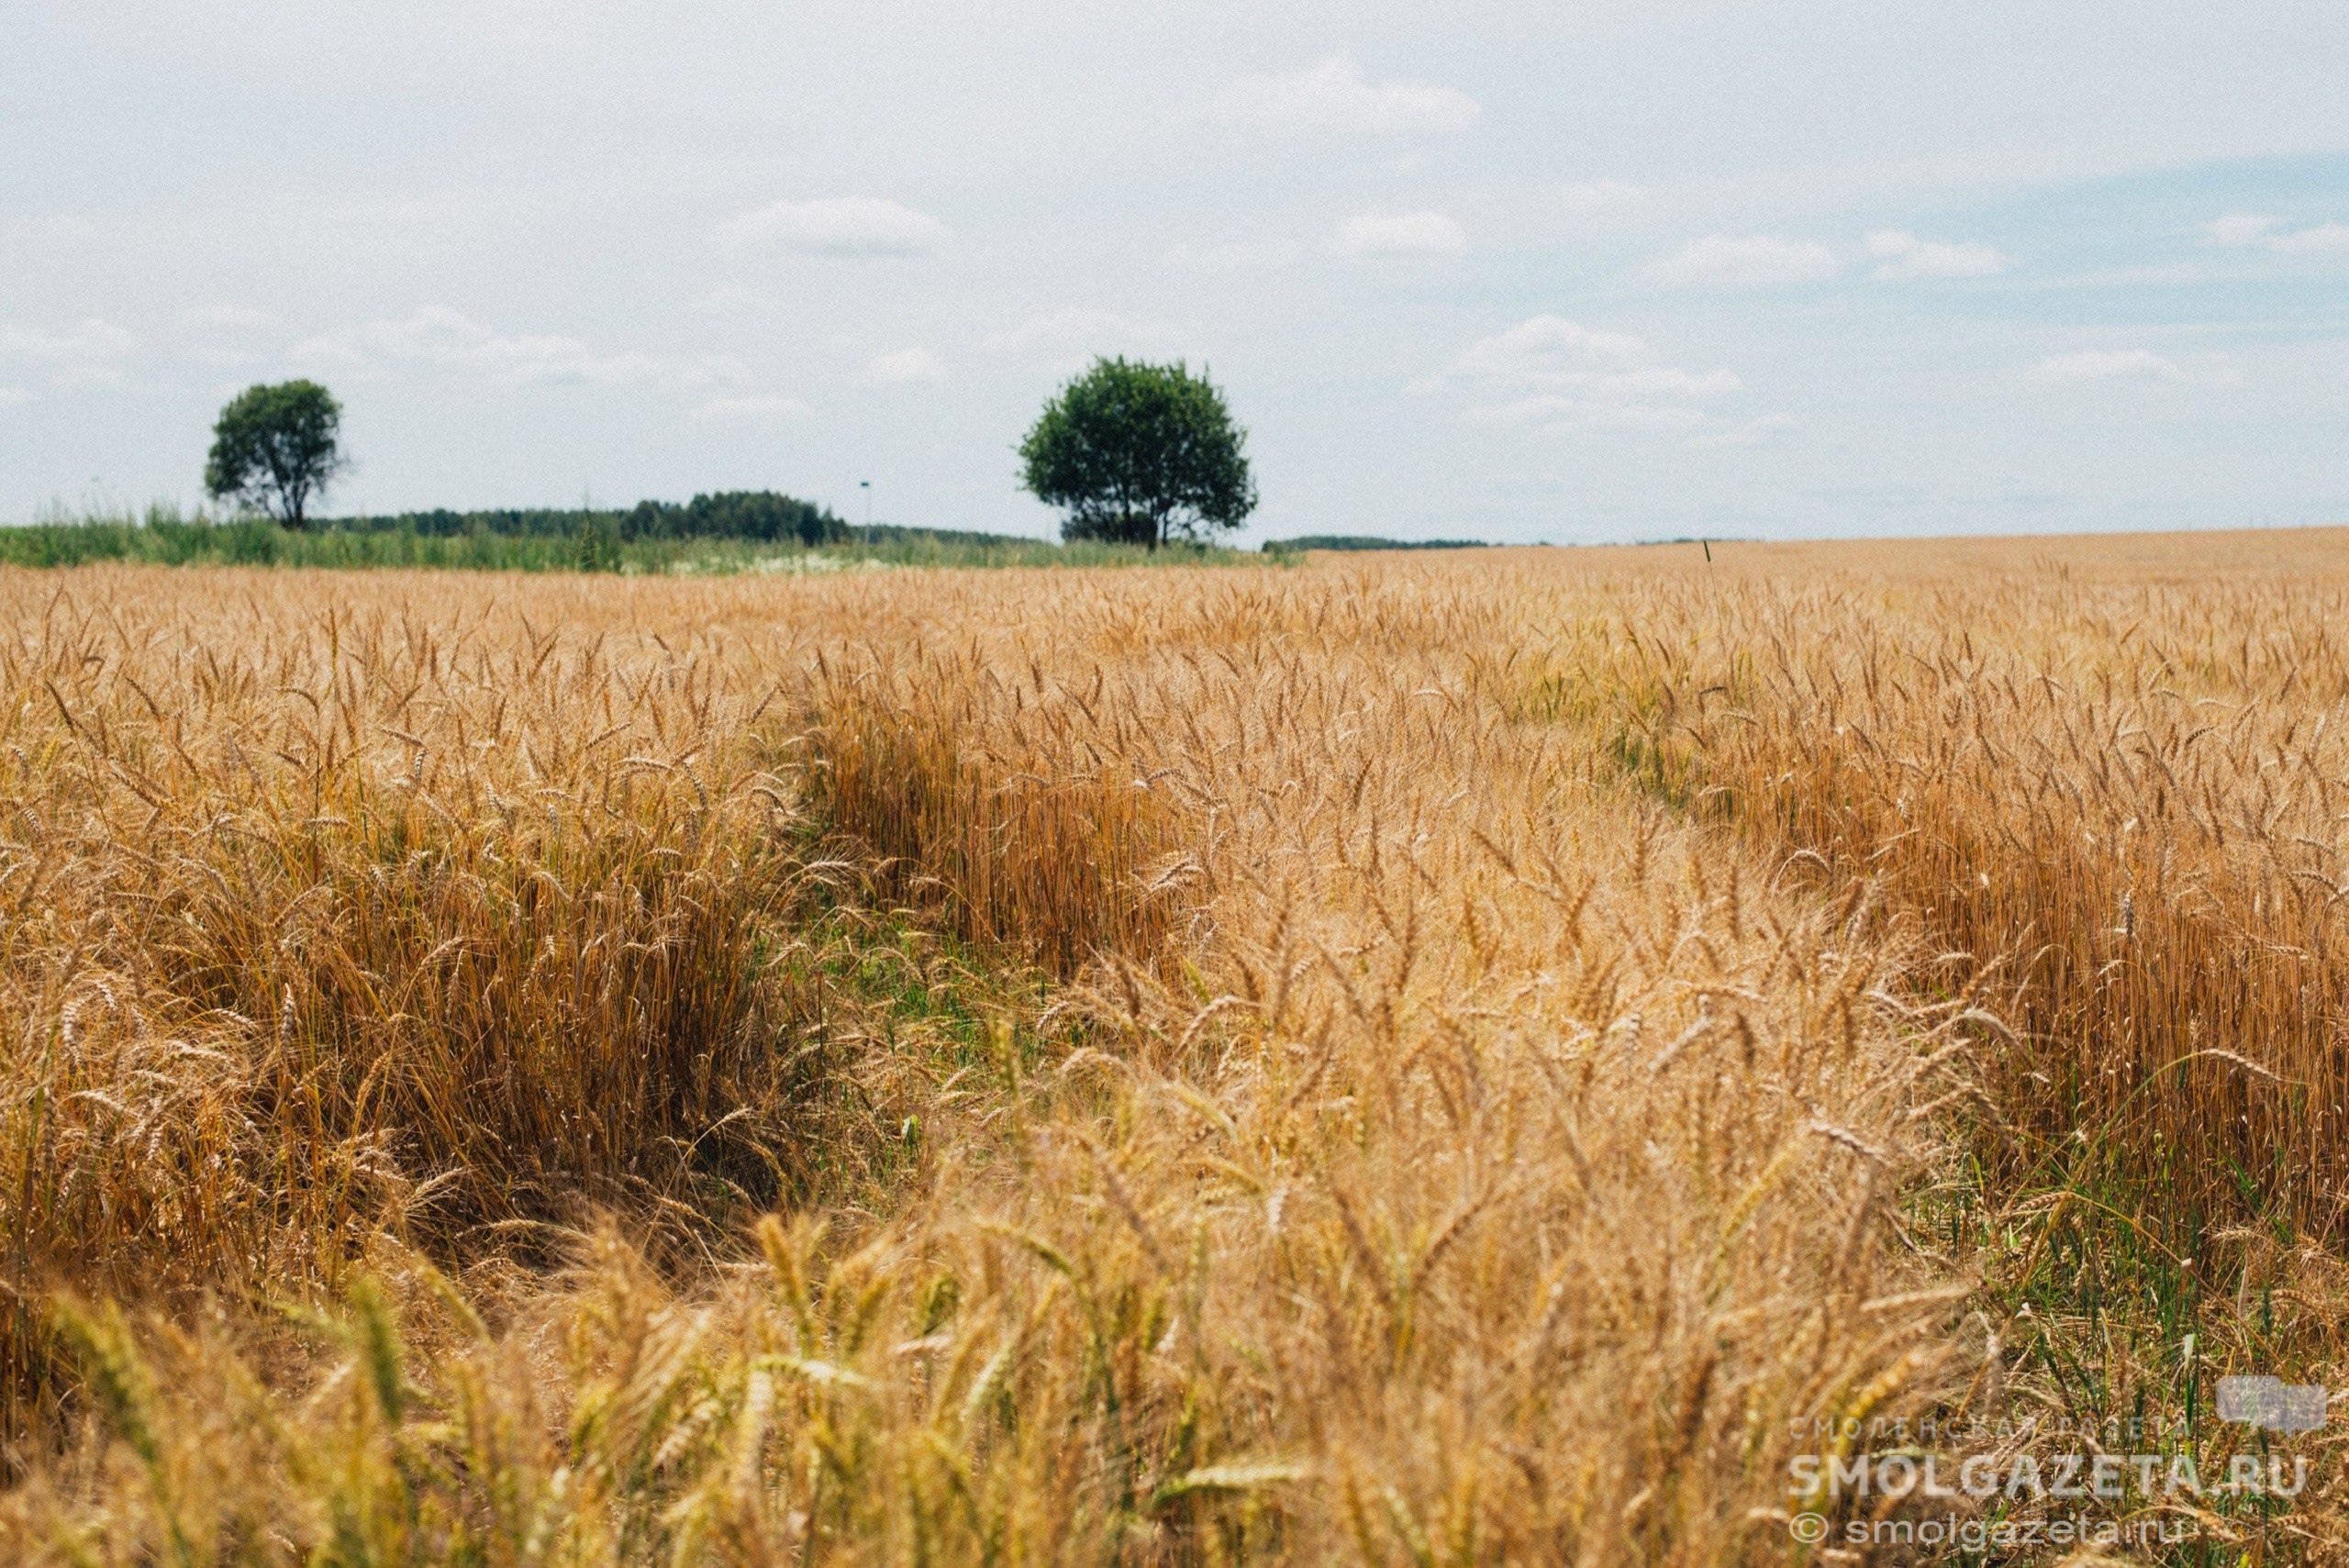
(274, 448)
(1139, 453)
(599, 543)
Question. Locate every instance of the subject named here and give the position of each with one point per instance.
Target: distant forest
(760, 515)
(1369, 541)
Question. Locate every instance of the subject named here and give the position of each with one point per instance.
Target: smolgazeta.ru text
(2107, 1476)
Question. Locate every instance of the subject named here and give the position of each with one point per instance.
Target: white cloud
(1720, 260)
(87, 354)
(2238, 229)
(224, 336)
(234, 317)
(839, 226)
(1387, 235)
(1335, 98)
(1071, 338)
(2167, 275)
(436, 336)
(904, 366)
(2257, 228)
(1904, 255)
(1252, 254)
(1565, 375)
(2325, 239)
(1546, 347)
(1767, 430)
(1593, 204)
(2107, 364)
(732, 301)
(92, 340)
(14, 395)
(1557, 411)
(751, 410)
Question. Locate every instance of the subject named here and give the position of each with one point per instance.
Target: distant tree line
(760, 515)
(1137, 453)
(1367, 542)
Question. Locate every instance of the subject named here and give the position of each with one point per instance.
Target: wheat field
(1460, 1058)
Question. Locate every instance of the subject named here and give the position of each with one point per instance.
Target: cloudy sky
(1621, 269)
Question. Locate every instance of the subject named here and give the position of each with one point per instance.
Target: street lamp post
(866, 485)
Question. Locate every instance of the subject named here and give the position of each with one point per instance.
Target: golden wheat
(1326, 1064)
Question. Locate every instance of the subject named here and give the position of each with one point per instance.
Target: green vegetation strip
(163, 538)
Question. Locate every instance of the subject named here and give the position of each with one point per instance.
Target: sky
(1571, 272)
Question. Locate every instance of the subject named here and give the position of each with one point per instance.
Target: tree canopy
(274, 448)
(1139, 453)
